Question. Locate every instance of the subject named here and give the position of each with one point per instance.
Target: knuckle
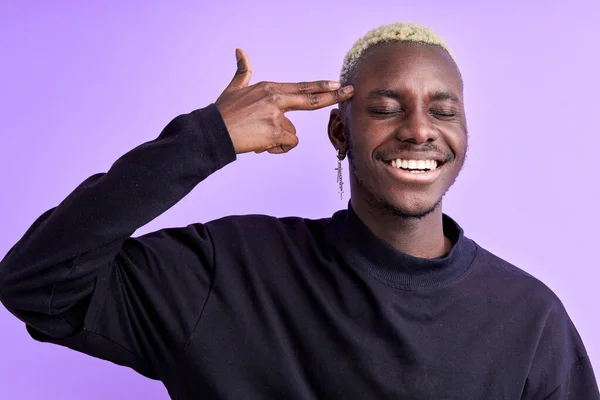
(313, 99)
(276, 135)
(267, 86)
(242, 69)
(302, 87)
(273, 97)
(274, 117)
(336, 95)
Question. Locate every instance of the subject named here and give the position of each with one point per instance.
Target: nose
(417, 127)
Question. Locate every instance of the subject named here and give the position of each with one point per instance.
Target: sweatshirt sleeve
(560, 368)
(579, 383)
(78, 279)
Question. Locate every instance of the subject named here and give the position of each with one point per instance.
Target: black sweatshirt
(257, 307)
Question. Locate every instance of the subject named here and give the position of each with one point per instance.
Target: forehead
(407, 66)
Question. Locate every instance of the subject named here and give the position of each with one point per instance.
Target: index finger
(314, 101)
(307, 87)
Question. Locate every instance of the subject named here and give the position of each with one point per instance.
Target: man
(387, 299)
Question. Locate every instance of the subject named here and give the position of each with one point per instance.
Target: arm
(579, 383)
(83, 247)
(560, 368)
(78, 279)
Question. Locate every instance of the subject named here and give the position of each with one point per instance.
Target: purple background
(81, 85)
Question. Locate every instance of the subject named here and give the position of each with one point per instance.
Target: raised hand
(255, 115)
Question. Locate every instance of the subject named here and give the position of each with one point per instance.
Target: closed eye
(443, 113)
(384, 111)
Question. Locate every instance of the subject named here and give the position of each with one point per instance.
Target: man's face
(407, 111)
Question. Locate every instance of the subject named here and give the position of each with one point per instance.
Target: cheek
(457, 141)
(366, 136)
(359, 155)
(458, 145)
(461, 146)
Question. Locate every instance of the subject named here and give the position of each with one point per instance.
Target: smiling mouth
(415, 166)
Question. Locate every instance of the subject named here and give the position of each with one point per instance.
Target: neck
(423, 238)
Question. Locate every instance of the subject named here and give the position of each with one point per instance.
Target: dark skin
(255, 115)
(408, 104)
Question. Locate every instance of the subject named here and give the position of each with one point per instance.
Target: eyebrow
(439, 95)
(445, 95)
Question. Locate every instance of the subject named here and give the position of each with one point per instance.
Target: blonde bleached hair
(392, 33)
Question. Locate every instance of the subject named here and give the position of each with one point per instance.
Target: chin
(409, 203)
(418, 208)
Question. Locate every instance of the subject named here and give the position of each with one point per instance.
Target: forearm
(41, 273)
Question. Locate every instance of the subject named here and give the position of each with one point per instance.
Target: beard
(382, 203)
(399, 213)
(379, 201)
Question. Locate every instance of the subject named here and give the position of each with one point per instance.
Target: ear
(337, 131)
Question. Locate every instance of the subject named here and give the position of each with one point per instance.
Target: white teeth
(415, 164)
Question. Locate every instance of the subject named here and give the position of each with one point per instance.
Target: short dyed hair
(392, 33)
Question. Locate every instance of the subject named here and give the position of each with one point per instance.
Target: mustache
(427, 148)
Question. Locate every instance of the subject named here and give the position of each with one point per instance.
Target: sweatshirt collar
(398, 269)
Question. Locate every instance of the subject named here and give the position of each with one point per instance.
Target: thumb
(243, 73)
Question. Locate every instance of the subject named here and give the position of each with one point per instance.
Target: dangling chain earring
(340, 180)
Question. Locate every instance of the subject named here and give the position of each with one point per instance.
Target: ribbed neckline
(398, 269)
